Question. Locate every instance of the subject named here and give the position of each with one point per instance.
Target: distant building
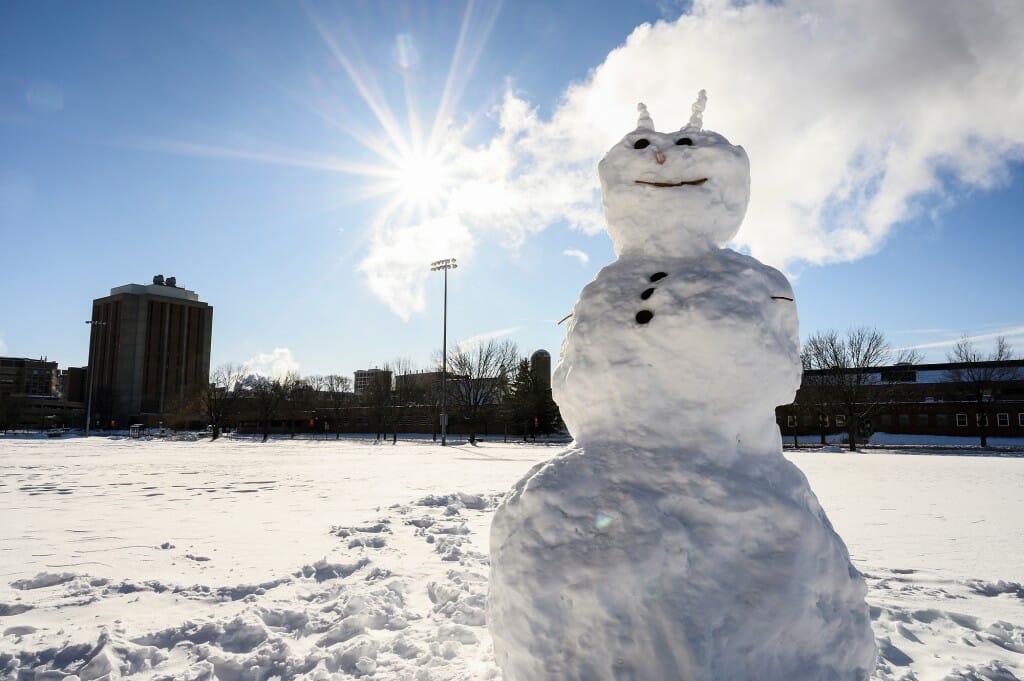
(150, 348)
(919, 399)
(71, 384)
(30, 395)
(423, 387)
(23, 376)
(367, 377)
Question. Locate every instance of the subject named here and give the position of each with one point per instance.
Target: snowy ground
(243, 560)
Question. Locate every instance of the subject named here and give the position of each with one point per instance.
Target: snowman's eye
(684, 141)
(640, 144)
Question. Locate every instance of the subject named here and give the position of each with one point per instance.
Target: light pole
(446, 264)
(92, 375)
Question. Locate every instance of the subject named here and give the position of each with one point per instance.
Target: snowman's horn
(645, 118)
(697, 118)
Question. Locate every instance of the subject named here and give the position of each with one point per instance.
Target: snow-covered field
(315, 559)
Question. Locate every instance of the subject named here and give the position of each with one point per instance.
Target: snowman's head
(674, 193)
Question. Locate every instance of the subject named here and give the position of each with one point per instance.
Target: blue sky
(300, 165)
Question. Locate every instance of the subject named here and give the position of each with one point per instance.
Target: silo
(540, 365)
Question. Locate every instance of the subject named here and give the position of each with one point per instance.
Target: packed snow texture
(674, 540)
(330, 559)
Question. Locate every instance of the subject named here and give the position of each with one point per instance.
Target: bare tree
(218, 399)
(182, 409)
(405, 393)
(981, 377)
(317, 392)
(480, 378)
(407, 389)
(434, 393)
(842, 374)
(297, 400)
(815, 399)
(336, 389)
(267, 394)
(377, 397)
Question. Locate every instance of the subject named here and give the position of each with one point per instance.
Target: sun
(412, 168)
(421, 180)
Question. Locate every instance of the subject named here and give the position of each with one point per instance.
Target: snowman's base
(648, 566)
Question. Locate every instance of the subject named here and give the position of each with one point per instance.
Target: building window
(1002, 420)
(922, 420)
(961, 420)
(1020, 419)
(823, 420)
(941, 420)
(886, 419)
(899, 375)
(981, 420)
(840, 421)
(904, 419)
(791, 421)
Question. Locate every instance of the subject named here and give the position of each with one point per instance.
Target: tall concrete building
(149, 346)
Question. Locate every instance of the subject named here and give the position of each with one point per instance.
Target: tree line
(486, 384)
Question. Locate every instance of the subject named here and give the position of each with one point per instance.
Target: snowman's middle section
(678, 344)
(645, 316)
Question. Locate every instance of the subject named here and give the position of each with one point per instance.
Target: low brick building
(30, 396)
(922, 399)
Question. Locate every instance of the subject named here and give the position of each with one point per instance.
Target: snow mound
(108, 658)
(43, 580)
(998, 588)
(322, 570)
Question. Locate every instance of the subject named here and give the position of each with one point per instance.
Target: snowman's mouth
(673, 184)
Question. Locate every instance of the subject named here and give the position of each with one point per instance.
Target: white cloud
(398, 264)
(3, 343)
(468, 344)
(1014, 335)
(578, 254)
(275, 364)
(854, 114)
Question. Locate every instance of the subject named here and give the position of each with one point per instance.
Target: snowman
(672, 540)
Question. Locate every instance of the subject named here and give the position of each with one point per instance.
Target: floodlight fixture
(446, 264)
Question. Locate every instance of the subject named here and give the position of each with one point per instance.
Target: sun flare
(421, 180)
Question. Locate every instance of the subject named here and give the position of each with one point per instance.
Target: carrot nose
(659, 157)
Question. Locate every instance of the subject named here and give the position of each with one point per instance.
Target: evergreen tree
(531, 408)
(521, 398)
